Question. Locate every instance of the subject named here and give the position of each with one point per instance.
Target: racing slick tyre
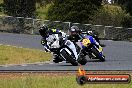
(97, 54)
(69, 58)
(82, 60)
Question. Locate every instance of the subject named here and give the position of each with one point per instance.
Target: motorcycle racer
(76, 35)
(47, 36)
(52, 39)
(74, 31)
(44, 33)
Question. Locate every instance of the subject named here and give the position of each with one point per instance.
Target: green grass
(50, 81)
(14, 55)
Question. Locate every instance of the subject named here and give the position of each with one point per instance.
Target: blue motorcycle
(92, 48)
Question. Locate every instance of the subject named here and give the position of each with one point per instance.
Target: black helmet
(74, 28)
(43, 30)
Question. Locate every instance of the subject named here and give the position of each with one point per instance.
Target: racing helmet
(43, 30)
(74, 30)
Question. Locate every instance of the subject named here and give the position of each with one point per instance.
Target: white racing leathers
(53, 40)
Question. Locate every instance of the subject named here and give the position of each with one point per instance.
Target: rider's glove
(46, 49)
(42, 42)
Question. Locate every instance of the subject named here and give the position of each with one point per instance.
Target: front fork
(87, 51)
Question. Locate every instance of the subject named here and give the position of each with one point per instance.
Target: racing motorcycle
(72, 53)
(68, 52)
(91, 49)
(62, 49)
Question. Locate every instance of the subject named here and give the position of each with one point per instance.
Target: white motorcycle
(68, 52)
(63, 49)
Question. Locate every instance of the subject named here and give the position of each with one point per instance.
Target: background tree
(105, 1)
(110, 15)
(125, 4)
(44, 2)
(24, 8)
(73, 10)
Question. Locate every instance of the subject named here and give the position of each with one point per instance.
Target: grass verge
(14, 55)
(28, 80)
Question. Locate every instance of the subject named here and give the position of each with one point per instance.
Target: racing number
(85, 42)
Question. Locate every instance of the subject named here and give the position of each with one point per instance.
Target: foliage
(73, 10)
(81, 11)
(127, 21)
(41, 11)
(24, 8)
(1, 7)
(125, 4)
(44, 2)
(109, 15)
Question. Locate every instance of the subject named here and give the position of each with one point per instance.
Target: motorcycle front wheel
(68, 57)
(97, 54)
(82, 60)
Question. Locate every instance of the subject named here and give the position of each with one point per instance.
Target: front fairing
(91, 44)
(85, 41)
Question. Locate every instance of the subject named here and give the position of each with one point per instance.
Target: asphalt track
(118, 55)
